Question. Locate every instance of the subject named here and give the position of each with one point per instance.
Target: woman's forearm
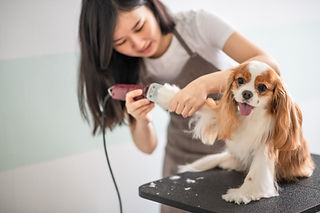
(217, 81)
(144, 136)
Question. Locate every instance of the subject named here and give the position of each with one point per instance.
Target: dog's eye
(262, 87)
(240, 81)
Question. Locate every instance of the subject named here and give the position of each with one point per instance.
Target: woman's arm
(193, 96)
(241, 50)
(141, 127)
(144, 136)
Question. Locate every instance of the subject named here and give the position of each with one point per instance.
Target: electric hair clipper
(150, 91)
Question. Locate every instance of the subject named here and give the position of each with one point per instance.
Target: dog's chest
(251, 133)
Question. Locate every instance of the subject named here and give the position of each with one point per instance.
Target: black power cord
(105, 148)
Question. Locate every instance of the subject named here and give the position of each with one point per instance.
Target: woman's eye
(121, 43)
(241, 81)
(139, 29)
(262, 87)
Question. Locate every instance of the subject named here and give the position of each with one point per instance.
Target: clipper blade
(162, 94)
(152, 93)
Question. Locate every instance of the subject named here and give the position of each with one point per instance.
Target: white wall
(49, 162)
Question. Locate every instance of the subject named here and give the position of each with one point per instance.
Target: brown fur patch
(267, 78)
(287, 144)
(226, 116)
(241, 71)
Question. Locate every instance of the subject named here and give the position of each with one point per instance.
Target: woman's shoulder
(185, 15)
(200, 20)
(205, 25)
(194, 16)
(187, 21)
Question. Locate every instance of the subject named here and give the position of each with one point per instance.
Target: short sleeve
(212, 29)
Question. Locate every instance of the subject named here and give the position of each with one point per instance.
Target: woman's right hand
(139, 109)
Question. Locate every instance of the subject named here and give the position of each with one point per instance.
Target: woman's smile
(147, 49)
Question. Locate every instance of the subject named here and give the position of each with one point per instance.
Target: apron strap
(182, 42)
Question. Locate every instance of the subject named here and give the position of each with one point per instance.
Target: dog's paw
(308, 172)
(235, 195)
(239, 196)
(187, 168)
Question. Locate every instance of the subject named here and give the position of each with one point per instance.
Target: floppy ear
(227, 117)
(288, 120)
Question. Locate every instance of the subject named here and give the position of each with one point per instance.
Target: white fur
(256, 68)
(247, 150)
(165, 95)
(259, 182)
(204, 118)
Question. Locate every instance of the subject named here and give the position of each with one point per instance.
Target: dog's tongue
(245, 109)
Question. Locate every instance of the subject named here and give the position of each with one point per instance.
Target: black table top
(202, 191)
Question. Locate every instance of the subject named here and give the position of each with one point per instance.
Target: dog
(262, 128)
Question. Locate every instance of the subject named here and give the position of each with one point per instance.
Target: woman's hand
(188, 100)
(139, 109)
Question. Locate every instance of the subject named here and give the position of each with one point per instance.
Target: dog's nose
(247, 94)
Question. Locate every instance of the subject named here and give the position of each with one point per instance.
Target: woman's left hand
(189, 99)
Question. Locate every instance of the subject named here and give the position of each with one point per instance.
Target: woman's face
(137, 33)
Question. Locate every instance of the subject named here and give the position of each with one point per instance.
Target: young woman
(138, 41)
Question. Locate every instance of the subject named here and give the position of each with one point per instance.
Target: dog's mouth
(245, 109)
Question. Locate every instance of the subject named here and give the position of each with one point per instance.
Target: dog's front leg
(206, 127)
(259, 182)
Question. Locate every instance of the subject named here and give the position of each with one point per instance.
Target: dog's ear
(227, 117)
(288, 119)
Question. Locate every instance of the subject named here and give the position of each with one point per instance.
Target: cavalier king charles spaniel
(262, 128)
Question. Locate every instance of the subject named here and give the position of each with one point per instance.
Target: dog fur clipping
(262, 128)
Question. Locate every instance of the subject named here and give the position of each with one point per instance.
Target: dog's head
(256, 86)
(253, 86)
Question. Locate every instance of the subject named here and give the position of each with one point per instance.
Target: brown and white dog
(262, 128)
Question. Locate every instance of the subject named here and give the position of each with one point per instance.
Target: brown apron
(181, 148)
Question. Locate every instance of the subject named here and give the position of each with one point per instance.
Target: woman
(137, 41)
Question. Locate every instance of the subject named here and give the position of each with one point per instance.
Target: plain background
(50, 162)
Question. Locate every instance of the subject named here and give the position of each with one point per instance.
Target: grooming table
(202, 191)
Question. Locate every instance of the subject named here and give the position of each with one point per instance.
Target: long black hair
(100, 65)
